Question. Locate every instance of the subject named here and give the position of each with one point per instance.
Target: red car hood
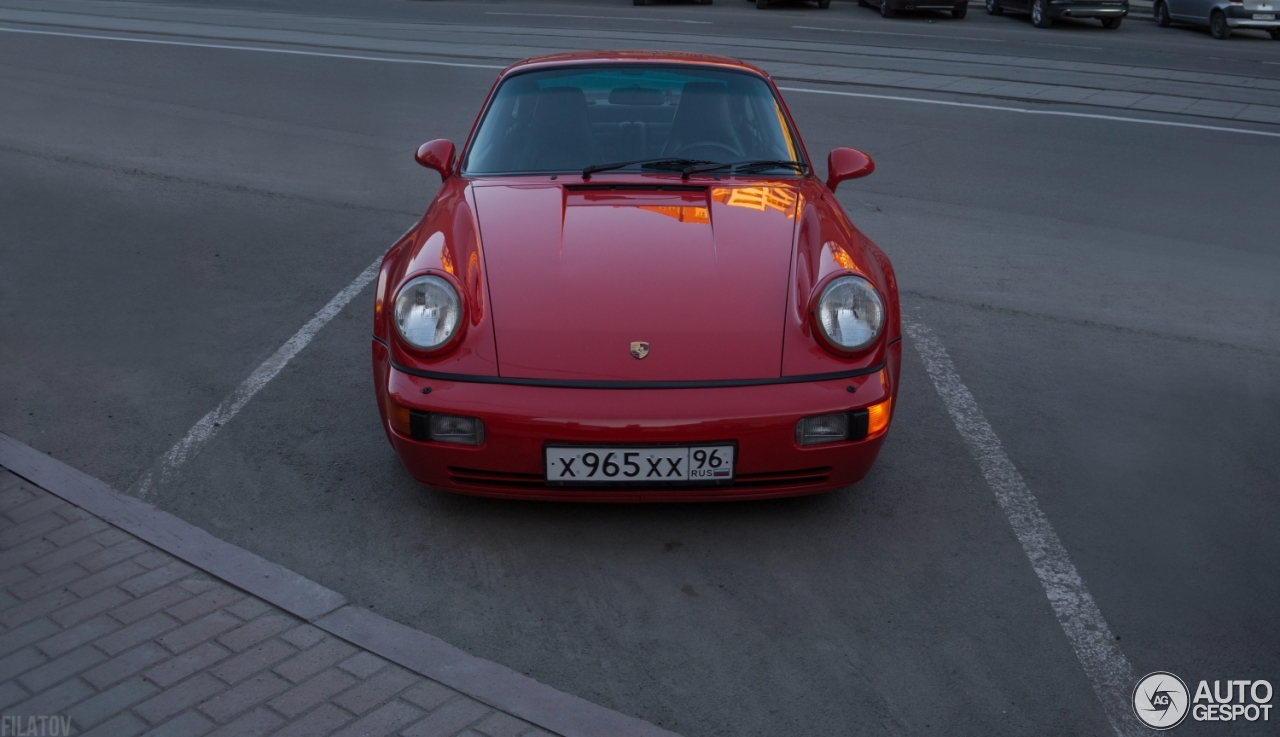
(577, 275)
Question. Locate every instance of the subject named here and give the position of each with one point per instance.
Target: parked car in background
(890, 8)
(1045, 12)
(1221, 16)
(822, 4)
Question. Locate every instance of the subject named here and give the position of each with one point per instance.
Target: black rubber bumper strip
(572, 384)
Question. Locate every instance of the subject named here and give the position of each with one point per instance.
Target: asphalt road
(1109, 292)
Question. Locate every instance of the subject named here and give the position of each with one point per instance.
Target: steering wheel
(693, 150)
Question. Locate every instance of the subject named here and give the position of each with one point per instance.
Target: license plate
(1264, 16)
(640, 465)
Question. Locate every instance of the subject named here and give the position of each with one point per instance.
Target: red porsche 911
(632, 287)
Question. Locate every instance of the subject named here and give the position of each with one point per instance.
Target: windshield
(566, 120)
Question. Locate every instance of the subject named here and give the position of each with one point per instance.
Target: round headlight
(428, 312)
(850, 313)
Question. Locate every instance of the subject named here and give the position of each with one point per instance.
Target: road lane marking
(1028, 111)
(498, 66)
(266, 49)
(1105, 665)
(203, 431)
(604, 17)
(943, 36)
(897, 33)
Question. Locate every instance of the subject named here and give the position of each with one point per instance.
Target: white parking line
(204, 430)
(604, 17)
(232, 47)
(1105, 665)
(1028, 111)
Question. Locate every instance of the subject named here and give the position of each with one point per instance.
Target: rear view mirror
(438, 155)
(847, 163)
(636, 96)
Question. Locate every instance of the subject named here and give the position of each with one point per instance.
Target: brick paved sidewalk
(126, 640)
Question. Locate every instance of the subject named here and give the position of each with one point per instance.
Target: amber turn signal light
(401, 418)
(870, 422)
(878, 417)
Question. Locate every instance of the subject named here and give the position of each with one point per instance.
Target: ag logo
(639, 349)
(1160, 700)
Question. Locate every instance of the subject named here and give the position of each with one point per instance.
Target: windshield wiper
(663, 163)
(745, 165)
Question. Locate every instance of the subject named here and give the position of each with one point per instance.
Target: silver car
(1220, 15)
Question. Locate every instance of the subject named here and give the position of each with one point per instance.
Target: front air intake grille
(775, 479)
(495, 479)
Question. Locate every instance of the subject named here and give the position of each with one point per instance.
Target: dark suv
(957, 8)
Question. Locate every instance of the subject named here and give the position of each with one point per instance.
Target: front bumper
(1087, 10)
(925, 5)
(520, 421)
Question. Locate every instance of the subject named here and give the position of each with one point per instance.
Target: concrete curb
(280, 586)
(483, 680)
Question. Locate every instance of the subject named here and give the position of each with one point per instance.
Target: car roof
(578, 58)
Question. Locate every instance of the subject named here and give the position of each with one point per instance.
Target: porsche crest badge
(639, 349)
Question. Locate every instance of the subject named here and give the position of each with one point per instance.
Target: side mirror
(847, 163)
(438, 155)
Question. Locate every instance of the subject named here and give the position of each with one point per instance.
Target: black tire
(863, 4)
(704, 2)
(959, 11)
(885, 10)
(1111, 23)
(1275, 34)
(639, 2)
(824, 4)
(1218, 25)
(994, 7)
(1040, 14)
(1161, 12)
(761, 4)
